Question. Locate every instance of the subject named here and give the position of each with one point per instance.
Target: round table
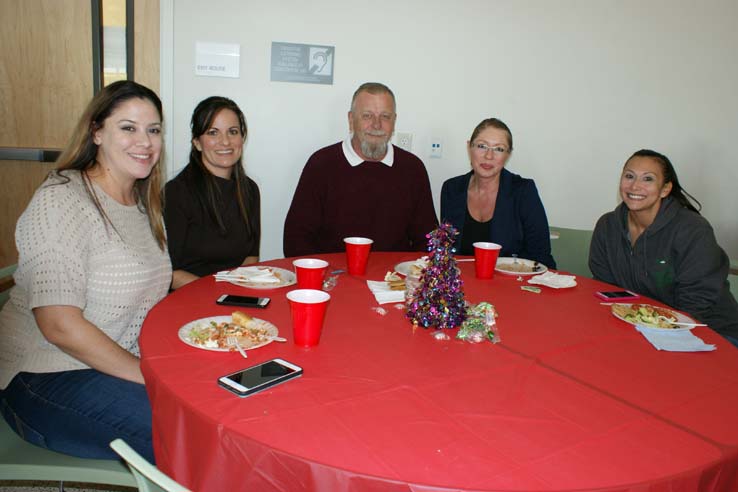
(571, 399)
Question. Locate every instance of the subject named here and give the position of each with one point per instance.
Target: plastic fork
(679, 323)
(233, 342)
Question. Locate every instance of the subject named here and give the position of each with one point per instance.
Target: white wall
(581, 83)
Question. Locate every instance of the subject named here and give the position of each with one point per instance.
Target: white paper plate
(285, 277)
(681, 318)
(184, 332)
(403, 268)
(505, 266)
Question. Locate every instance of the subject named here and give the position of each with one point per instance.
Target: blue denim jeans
(78, 412)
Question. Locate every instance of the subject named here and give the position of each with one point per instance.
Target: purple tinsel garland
(439, 300)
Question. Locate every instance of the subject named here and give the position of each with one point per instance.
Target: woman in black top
(211, 209)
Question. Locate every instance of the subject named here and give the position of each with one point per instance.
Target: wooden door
(45, 83)
(46, 80)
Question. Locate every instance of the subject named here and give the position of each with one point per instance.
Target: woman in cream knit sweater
(92, 262)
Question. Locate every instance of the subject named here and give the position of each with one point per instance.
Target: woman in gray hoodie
(656, 243)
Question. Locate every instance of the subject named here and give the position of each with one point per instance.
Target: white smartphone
(617, 295)
(260, 377)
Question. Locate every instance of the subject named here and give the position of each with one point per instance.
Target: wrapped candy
(330, 282)
(379, 310)
(440, 335)
(480, 324)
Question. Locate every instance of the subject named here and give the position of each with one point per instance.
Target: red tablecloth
(572, 399)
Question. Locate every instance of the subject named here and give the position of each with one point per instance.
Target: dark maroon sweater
(391, 205)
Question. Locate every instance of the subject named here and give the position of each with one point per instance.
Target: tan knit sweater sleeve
(68, 255)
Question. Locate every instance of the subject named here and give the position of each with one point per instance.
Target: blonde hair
(493, 123)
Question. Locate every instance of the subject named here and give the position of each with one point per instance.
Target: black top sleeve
(196, 242)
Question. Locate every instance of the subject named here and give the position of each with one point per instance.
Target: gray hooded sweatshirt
(676, 260)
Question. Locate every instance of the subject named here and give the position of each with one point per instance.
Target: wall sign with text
(217, 59)
(306, 63)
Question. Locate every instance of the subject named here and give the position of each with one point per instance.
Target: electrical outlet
(436, 147)
(404, 141)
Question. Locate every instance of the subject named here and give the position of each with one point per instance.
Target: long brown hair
(81, 152)
(205, 185)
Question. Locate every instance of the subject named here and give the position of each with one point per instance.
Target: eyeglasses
(482, 149)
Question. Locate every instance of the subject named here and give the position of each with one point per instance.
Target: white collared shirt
(355, 159)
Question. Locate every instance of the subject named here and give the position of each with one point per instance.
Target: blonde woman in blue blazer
(490, 203)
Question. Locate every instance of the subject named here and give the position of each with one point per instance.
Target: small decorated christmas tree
(439, 300)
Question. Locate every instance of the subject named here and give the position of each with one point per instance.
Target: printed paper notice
(306, 63)
(217, 59)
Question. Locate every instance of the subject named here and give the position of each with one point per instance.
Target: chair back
(733, 280)
(571, 250)
(21, 460)
(148, 477)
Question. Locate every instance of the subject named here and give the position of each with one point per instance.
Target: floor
(7, 486)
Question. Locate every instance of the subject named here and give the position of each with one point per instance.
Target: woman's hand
(250, 260)
(65, 327)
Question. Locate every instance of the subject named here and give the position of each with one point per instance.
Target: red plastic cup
(308, 311)
(357, 254)
(310, 273)
(485, 259)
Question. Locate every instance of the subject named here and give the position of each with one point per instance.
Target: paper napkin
(554, 280)
(257, 275)
(674, 340)
(383, 294)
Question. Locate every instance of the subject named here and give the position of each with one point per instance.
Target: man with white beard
(363, 186)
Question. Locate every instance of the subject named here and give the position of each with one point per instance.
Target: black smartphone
(243, 301)
(256, 378)
(617, 295)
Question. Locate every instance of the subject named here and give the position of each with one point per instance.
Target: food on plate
(645, 314)
(394, 281)
(412, 268)
(253, 275)
(265, 275)
(215, 335)
(417, 267)
(241, 318)
(519, 267)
